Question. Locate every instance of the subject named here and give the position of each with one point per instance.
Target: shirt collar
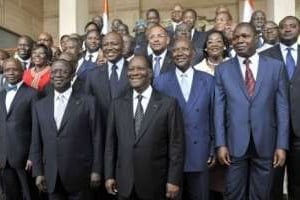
(162, 55)
(146, 94)
(94, 54)
(254, 58)
(120, 63)
(66, 94)
(17, 84)
(21, 60)
(293, 46)
(189, 72)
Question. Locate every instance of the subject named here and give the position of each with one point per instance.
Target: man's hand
(28, 165)
(172, 191)
(211, 161)
(279, 158)
(111, 186)
(224, 156)
(40, 182)
(95, 180)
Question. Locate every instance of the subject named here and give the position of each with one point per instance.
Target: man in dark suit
(194, 91)
(15, 132)
(110, 80)
(145, 141)
(66, 139)
(198, 38)
(176, 19)
(23, 54)
(288, 51)
(88, 60)
(160, 57)
(251, 116)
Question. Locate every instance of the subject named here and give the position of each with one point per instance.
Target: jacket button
(195, 142)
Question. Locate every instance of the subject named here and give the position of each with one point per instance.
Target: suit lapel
(151, 110)
(167, 62)
(16, 99)
(2, 102)
(176, 88)
(49, 109)
(237, 75)
(128, 114)
(72, 104)
(196, 90)
(262, 70)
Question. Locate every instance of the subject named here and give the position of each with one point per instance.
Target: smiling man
(251, 117)
(194, 91)
(24, 48)
(144, 145)
(59, 142)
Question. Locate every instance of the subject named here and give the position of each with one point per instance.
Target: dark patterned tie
(114, 81)
(139, 114)
(249, 79)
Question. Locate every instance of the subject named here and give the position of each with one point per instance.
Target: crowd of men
(172, 113)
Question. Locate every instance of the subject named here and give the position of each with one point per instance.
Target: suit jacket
(198, 39)
(74, 150)
(294, 87)
(265, 115)
(167, 64)
(153, 158)
(197, 116)
(97, 84)
(16, 127)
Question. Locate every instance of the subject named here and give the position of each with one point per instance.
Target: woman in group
(39, 75)
(215, 52)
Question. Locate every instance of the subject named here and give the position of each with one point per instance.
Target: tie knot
(139, 97)
(289, 49)
(114, 67)
(183, 75)
(157, 58)
(11, 88)
(90, 57)
(61, 98)
(247, 61)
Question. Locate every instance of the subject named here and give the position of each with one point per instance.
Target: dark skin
(289, 30)
(244, 43)
(182, 53)
(12, 71)
(24, 48)
(140, 75)
(112, 46)
(62, 73)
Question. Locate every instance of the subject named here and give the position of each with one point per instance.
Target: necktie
(157, 66)
(114, 81)
(290, 63)
(249, 79)
(139, 114)
(59, 110)
(90, 57)
(9, 88)
(24, 65)
(184, 86)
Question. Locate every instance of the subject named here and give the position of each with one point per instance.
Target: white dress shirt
(119, 64)
(60, 105)
(294, 51)
(28, 61)
(145, 100)
(189, 74)
(10, 95)
(253, 65)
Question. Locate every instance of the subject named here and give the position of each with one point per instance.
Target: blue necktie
(157, 66)
(290, 63)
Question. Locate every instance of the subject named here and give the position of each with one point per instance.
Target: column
(73, 15)
(278, 9)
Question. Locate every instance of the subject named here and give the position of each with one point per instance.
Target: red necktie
(249, 79)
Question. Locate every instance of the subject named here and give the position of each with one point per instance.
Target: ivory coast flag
(248, 9)
(105, 17)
